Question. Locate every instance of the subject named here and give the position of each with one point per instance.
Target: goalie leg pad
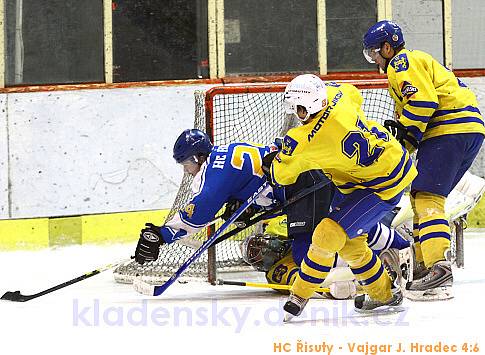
(343, 290)
(434, 230)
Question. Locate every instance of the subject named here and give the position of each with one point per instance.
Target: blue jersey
(230, 172)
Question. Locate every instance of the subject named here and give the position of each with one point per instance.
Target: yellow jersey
(430, 100)
(352, 152)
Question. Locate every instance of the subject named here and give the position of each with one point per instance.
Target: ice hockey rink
(100, 316)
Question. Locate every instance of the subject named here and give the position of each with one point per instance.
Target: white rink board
(3, 158)
(95, 151)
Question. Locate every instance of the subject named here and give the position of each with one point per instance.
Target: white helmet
(306, 90)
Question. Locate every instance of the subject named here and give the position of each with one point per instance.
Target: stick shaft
(18, 297)
(158, 290)
(267, 214)
(264, 285)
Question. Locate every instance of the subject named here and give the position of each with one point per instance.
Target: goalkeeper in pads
(437, 115)
(367, 165)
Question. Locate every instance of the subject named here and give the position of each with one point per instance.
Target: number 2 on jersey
(356, 143)
(241, 152)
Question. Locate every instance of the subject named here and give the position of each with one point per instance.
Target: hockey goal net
(251, 112)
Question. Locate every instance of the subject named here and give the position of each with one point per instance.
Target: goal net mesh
(233, 113)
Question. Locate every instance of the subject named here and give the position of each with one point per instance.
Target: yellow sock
(367, 268)
(434, 231)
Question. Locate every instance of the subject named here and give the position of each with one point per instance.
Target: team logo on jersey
(189, 209)
(407, 90)
(279, 272)
(400, 62)
(289, 145)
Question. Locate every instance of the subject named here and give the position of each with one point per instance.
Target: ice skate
(294, 306)
(366, 304)
(435, 285)
(419, 269)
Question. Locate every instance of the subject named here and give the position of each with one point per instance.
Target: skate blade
(383, 310)
(442, 293)
(288, 317)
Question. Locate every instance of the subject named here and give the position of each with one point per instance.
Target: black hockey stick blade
(15, 297)
(19, 297)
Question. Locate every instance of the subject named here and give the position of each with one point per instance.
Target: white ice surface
(99, 316)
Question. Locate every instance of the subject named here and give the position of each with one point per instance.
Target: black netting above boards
(234, 114)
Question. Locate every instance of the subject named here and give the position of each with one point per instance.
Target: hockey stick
(19, 297)
(152, 290)
(263, 285)
(302, 193)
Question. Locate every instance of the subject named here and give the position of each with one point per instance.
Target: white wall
(3, 158)
(95, 151)
(468, 34)
(422, 24)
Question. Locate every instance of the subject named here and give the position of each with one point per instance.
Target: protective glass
(370, 54)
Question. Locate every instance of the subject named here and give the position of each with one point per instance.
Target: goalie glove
(244, 218)
(148, 247)
(400, 132)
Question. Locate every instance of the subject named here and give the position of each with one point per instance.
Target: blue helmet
(192, 142)
(383, 31)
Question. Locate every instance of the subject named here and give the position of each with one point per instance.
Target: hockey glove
(244, 218)
(398, 130)
(266, 167)
(148, 247)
